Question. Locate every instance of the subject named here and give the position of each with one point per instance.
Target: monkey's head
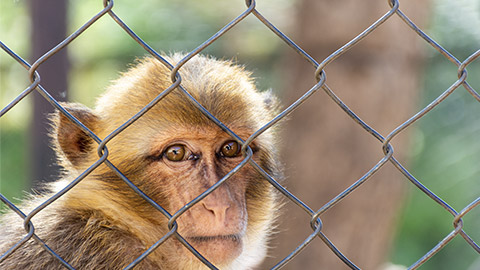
(173, 153)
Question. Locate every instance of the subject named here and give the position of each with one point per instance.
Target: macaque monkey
(172, 153)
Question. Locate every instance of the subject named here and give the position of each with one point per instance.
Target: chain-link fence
(320, 76)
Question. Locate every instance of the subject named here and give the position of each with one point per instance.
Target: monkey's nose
(217, 209)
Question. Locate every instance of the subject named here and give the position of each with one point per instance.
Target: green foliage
(446, 159)
(12, 159)
(14, 32)
(446, 147)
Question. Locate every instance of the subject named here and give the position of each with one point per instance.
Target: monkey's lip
(218, 249)
(202, 239)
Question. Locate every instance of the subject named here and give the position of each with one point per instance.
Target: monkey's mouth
(218, 249)
(203, 239)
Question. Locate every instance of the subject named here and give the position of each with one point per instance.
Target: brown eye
(175, 152)
(230, 149)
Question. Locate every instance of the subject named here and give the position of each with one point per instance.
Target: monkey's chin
(220, 249)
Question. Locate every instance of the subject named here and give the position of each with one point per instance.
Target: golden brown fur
(102, 224)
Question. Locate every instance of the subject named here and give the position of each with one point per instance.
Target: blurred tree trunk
(326, 151)
(48, 29)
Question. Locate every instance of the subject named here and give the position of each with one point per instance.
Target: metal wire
(320, 76)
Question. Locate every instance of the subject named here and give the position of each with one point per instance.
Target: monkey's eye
(175, 152)
(230, 149)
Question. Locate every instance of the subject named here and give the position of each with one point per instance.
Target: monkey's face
(173, 153)
(186, 165)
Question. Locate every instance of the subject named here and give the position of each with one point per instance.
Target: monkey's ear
(71, 142)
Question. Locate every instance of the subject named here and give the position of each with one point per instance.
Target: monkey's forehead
(176, 111)
(201, 133)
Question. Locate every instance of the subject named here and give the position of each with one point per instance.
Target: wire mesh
(316, 222)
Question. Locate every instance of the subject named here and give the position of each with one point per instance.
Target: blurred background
(385, 79)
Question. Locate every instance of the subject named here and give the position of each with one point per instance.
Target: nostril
(209, 209)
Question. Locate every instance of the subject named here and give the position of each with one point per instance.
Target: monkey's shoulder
(84, 239)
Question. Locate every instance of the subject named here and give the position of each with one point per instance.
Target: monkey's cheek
(218, 250)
